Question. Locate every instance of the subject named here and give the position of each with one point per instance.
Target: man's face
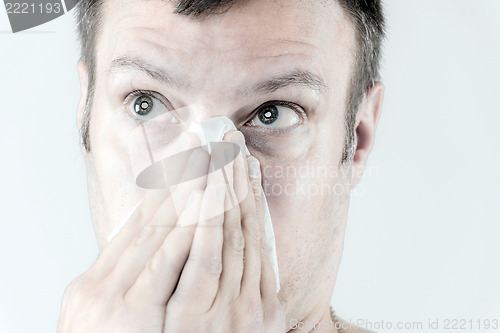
(217, 63)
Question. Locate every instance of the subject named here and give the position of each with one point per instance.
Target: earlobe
(366, 123)
(84, 80)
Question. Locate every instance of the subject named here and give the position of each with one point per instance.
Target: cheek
(302, 196)
(298, 186)
(115, 181)
(308, 200)
(308, 219)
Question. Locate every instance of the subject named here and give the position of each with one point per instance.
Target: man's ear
(366, 123)
(83, 73)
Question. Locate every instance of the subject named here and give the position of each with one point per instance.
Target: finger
(200, 278)
(222, 158)
(233, 246)
(236, 137)
(198, 163)
(252, 221)
(267, 277)
(194, 176)
(134, 258)
(139, 217)
(157, 281)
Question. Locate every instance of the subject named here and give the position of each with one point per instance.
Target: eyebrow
(295, 77)
(126, 63)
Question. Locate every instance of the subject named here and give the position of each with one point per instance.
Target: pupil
(268, 114)
(143, 105)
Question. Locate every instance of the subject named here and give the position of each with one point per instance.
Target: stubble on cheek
(309, 222)
(112, 189)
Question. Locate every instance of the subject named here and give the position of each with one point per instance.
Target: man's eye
(145, 107)
(275, 116)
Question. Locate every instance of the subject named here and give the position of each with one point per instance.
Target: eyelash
(133, 95)
(295, 107)
(136, 93)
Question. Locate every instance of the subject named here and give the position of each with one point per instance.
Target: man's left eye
(275, 115)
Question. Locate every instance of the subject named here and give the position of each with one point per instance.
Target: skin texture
(216, 59)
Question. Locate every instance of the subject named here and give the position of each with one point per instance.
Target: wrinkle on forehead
(253, 39)
(248, 22)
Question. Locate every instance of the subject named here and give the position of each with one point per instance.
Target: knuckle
(176, 306)
(77, 290)
(275, 312)
(258, 315)
(75, 285)
(145, 234)
(236, 240)
(213, 265)
(210, 264)
(255, 319)
(179, 308)
(161, 260)
(92, 300)
(155, 262)
(78, 284)
(139, 215)
(257, 192)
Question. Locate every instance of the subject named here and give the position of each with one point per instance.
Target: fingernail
(253, 167)
(238, 138)
(221, 192)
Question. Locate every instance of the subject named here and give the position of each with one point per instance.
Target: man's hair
(366, 16)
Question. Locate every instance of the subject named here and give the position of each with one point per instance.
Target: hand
(228, 284)
(126, 290)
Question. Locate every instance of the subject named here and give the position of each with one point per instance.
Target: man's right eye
(145, 106)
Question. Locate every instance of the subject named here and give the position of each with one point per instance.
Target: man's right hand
(119, 293)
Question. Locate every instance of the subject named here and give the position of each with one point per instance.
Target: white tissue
(213, 130)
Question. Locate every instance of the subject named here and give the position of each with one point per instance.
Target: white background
(423, 237)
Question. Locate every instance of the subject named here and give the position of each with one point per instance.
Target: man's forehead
(256, 42)
(248, 21)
